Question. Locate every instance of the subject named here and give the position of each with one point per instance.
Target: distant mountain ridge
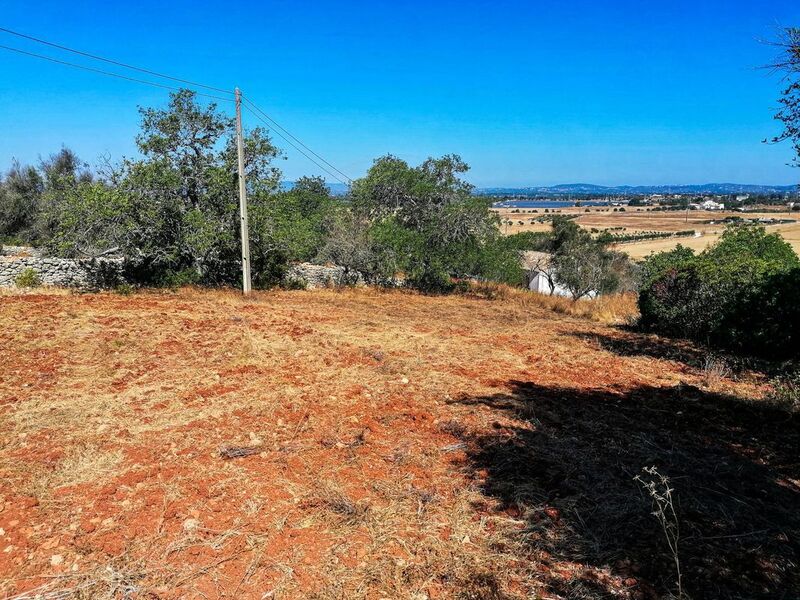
(566, 189)
(590, 188)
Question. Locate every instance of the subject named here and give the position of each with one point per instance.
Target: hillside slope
(390, 445)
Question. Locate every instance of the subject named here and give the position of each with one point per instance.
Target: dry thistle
(658, 487)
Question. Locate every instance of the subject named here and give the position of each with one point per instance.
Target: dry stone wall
(312, 276)
(61, 272)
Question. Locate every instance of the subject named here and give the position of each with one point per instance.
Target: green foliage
(786, 391)
(124, 289)
(424, 223)
(526, 240)
(173, 214)
(27, 193)
(739, 294)
(20, 193)
(582, 264)
(90, 219)
(289, 226)
(789, 110)
(28, 278)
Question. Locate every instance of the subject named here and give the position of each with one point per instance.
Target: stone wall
(20, 251)
(62, 272)
(312, 276)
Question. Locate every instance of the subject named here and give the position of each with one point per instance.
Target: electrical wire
(271, 123)
(298, 148)
(277, 125)
(113, 62)
(108, 73)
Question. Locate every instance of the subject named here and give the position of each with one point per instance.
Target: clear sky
(528, 92)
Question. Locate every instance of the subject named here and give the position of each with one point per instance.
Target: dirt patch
(376, 445)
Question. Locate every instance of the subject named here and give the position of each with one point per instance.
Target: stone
(58, 272)
(311, 276)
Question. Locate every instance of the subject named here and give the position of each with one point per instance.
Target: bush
(786, 392)
(28, 278)
(739, 294)
(124, 289)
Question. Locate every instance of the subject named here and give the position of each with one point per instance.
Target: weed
(786, 392)
(28, 278)
(124, 289)
(715, 369)
(659, 488)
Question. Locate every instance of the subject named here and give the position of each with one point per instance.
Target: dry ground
(638, 219)
(390, 445)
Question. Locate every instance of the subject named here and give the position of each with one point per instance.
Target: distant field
(707, 223)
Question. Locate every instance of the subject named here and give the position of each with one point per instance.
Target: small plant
(715, 369)
(28, 278)
(786, 392)
(294, 283)
(658, 487)
(124, 289)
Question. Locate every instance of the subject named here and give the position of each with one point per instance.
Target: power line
(108, 73)
(114, 62)
(293, 145)
(278, 126)
(250, 105)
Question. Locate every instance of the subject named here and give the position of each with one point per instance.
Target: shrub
(739, 294)
(28, 278)
(786, 392)
(124, 289)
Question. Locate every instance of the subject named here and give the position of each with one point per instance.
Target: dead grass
(368, 481)
(609, 309)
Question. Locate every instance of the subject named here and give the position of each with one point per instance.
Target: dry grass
(364, 406)
(609, 309)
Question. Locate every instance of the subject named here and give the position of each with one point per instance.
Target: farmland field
(707, 223)
(367, 444)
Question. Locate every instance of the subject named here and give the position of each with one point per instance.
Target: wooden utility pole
(246, 284)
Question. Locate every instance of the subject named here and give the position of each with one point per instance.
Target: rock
(312, 276)
(60, 272)
(56, 560)
(190, 525)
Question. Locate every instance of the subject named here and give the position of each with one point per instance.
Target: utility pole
(246, 284)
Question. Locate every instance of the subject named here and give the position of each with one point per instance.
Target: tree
(185, 194)
(788, 63)
(28, 195)
(582, 264)
(173, 213)
(20, 199)
(426, 221)
(582, 267)
(289, 226)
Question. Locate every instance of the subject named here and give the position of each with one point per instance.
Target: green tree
(174, 212)
(788, 113)
(582, 264)
(424, 221)
(20, 199)
(289, 226)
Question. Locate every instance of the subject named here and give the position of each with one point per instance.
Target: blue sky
(529, 93)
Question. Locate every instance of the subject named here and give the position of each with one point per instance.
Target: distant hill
(592, 189)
